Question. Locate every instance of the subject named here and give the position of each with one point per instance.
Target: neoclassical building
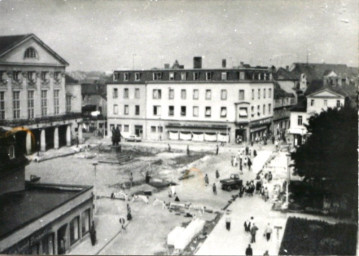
(33, 99)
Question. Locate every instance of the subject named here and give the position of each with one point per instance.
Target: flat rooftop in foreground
(18, 209)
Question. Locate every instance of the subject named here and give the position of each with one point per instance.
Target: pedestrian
(273, 139)
(266, 253)
(169, 148)
(254, 230)
(247, 150)
(247, 225)
(122, 223)
(249, 251)
(249, 164)
(93, 234)
(217, 149)
(254, 153)
(268, 232)
(206, 179)
(258, 186)
(129, 215)
(214, 189)
(241, 191)
(131, 179)
(188, 150)
(232, 160)
(217, 174)
(228, 221)
(270, 176)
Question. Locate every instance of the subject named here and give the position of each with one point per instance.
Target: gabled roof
(343, 90)
(280, 93)
(325, 89)
(7, 43)
(284, 74)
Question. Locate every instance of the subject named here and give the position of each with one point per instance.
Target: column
(56, 137)
(80, 138)
(28, 143)
(68, 135)
(43, 140)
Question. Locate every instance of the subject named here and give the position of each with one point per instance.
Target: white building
(192, 104)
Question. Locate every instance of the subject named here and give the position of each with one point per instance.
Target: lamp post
(288, 179)
(95, 191)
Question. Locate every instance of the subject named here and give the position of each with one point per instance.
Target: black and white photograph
(179, 127)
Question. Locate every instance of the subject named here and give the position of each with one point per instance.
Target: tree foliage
(329, 156)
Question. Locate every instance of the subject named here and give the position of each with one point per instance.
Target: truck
(233, 182)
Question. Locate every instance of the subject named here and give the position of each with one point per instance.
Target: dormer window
(137, 76)
(126, 76)
(157, 76)
(172, 76)
(30, 53)
(224, 76)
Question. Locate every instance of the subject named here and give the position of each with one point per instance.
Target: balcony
(40, 120)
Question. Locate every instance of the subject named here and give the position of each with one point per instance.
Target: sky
(105, 35)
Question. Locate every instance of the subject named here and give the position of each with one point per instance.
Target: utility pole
(95, 195)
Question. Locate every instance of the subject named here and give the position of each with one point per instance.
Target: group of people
(244, 159)
(251, 228)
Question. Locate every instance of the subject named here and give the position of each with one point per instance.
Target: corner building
(216, 105)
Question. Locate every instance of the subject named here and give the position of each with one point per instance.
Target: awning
(196, 128)
(258, 129)
(243, 112)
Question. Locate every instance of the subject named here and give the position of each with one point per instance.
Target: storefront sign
(260, 122)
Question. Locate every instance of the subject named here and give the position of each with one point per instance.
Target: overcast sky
(106, 35)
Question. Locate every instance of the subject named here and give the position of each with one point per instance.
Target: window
(252, 111)
(172, 76)
(195, 94)
(157, 76)
(126, 128)
(270, 92)
(171, 94)
(30, 104)
(252, 94)
(224, 76)
(16, 104)
(16, 75)
(44, 76)
(119, 127)
(116, 76)
(183, 94)
(160, 129)
(241, 75)
(325, 102)
(312, 102)
(183, 76)
(208, 112)
(208, 94)
(137, 93)
(137, 110)
(85, 216)
(115, 109)
(195, 75)
(156, 110)
(241, 94)
(259, 110)
(31, 76)
(264, 93)
(56, 102)
(2, 105)
(223, 112)
(137, 76)
(183, 110)
(171, 110)
(195, 111)
(243, 113)
(153, 129)
(74, 230)
(125, 93)
(30, 53)
(115, 93)
(68, 103)
(223, 94)
(126, 110)
(126, 76)
(264, 109)
(269, 108)
(300, 120)
(338, 104)
(208, 75)
(156, 94)
(259, 93)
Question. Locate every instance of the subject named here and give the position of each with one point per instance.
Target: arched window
(30, 53)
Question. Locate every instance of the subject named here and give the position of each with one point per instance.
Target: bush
(311, 237)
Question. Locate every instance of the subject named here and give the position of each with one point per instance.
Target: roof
(318, 85)
(325, 89)
(9, 42)
(70, 80)
(301, 105)
(280, 93)
(21, 208)
(284, 74)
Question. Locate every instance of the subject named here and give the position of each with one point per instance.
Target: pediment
(325, 93)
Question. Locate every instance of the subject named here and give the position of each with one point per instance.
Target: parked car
(133, 138)
(234, 182)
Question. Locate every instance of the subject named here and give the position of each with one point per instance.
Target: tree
(329, 158)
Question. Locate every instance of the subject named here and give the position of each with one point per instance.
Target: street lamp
(95, 191)
(288, 179)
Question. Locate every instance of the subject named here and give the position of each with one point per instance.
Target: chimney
(197, 62)
(167, 66)
(224, 63)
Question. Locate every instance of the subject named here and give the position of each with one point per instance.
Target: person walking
(93, 234)
(129, 215)
(217, 149)
(169, 147)
(214, 189)
(249, 250)
(266, 253)
(254, 153)
(254, 230)
(247, 225)
(131, 179)
(249, 164)
(188, 153)
(206, 180)
(217, 174)
(268, 232)
(228, 221)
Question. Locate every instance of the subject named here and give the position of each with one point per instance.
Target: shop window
(74, 230)
(85, 221)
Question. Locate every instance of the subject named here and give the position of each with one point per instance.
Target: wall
(76, 99)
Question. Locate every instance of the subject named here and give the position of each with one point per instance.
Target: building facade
(33, 94)
(226, 105)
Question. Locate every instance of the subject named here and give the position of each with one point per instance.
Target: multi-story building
(33, 96)
(225, 104)
(312, 104)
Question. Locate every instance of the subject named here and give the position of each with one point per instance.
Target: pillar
(80, 137)
(56, 138)
(42, 140)
(68, 135)
(28, 143)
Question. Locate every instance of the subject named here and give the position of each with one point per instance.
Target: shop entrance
(61, 239)
(240, 136)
